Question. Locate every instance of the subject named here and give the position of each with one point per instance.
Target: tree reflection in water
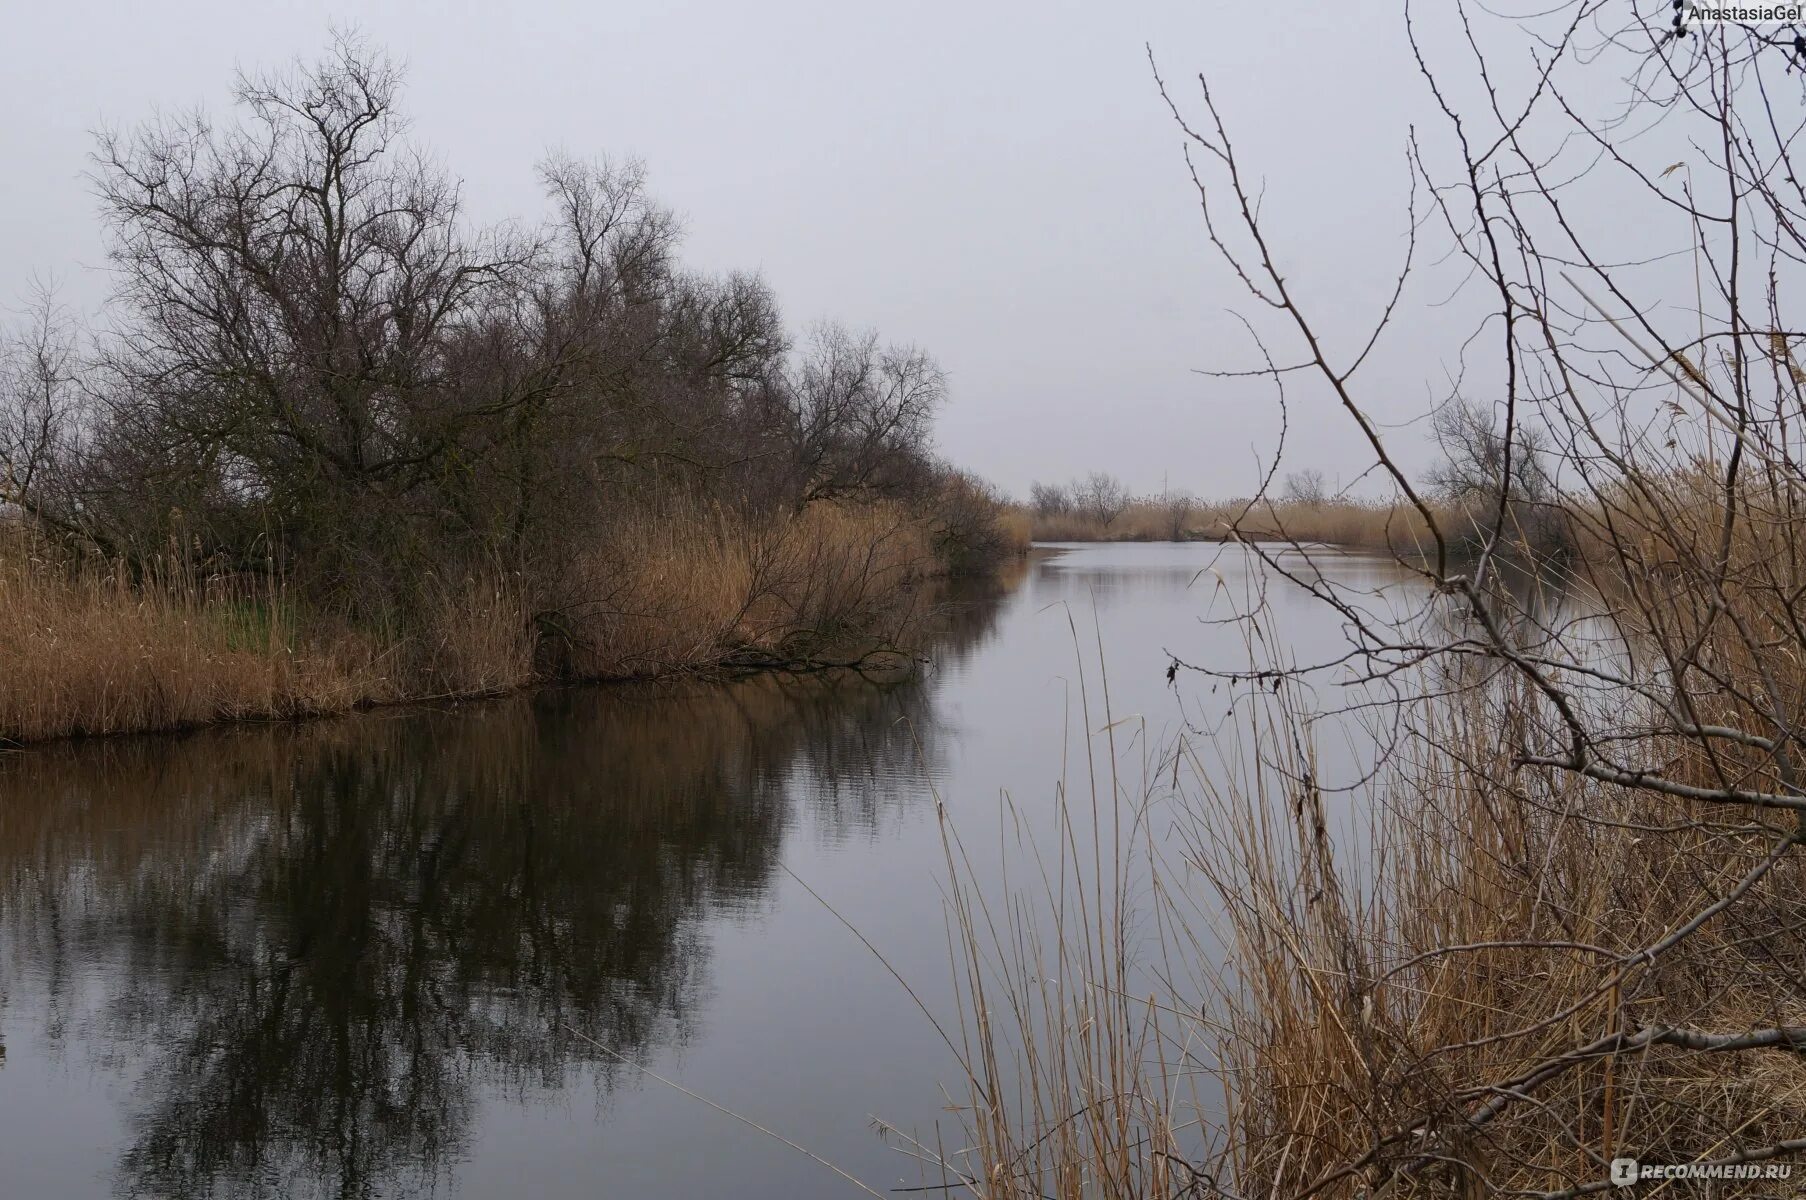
(313, 948)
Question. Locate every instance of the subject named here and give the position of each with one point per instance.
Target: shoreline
(898, 661)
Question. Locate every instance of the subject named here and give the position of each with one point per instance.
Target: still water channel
(414, 952)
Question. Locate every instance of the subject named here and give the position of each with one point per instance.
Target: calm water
(399, 954)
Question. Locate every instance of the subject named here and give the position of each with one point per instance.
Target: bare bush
(1050, 499)
(965, 515)
(1305, 487)
(1100, 496)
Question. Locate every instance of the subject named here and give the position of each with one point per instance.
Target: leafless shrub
(1050, 499)
(966, 517)
(1100, 496)
(1305, 487)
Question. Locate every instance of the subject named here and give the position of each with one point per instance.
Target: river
(437, 951)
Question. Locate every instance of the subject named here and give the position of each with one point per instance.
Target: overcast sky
(998, 182)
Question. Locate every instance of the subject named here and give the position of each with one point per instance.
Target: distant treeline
(1466, 492)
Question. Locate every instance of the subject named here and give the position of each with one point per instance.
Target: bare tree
(291, 284)
(1101, 496)
(40, 426)
(859, 414)
(1305, 487)
(1050, 499)
(1481, 475)
(1476, 457)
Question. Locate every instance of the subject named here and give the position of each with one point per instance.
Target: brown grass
(1256, 989)
(91, 650)
(1018, 528)
(699, 586)
(1349, 1013)
(1355, 524)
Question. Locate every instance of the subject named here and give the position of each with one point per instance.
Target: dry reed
(90, 648)
(1353, 524)
(1462, 977)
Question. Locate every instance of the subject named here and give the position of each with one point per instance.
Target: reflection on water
(311, 947)
(353, 958)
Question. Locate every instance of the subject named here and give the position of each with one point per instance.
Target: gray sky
(998, 182)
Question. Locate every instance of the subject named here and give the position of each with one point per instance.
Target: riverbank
(95, 647)
(450, 462)
(1356, 524)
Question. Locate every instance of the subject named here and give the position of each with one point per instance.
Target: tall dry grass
(1017, 527)
(88, 650)
(1354, 524)
(1461, 977)
(1486, 997)
(90, 647)
(700, 585)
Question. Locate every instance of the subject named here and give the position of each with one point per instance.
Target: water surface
(435, 952)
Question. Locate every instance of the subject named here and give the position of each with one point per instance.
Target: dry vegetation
(336, 445)
(1462, 500)
(1552, 916)
(1490, 981)
(97, 646)
(1354, 524)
